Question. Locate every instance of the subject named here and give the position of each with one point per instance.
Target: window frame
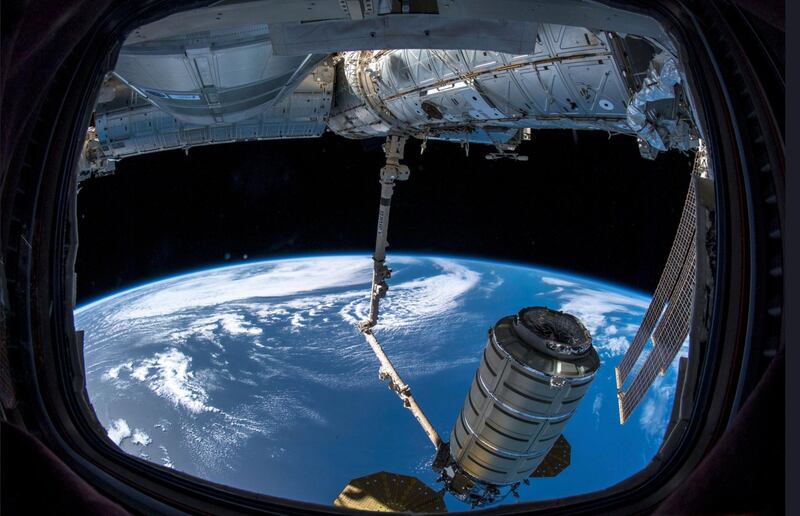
(47, 356)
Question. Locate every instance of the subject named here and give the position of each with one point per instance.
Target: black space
(584, 203)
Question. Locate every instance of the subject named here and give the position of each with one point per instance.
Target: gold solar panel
(556, 461)
(390, 492)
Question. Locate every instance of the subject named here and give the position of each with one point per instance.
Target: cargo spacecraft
(536, 368)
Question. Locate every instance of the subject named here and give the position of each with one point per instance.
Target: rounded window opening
(273, 367)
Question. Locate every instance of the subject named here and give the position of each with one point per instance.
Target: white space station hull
(214, 85)
(572, 80)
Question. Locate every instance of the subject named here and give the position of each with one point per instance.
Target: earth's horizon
(359, 255)
(254, 375)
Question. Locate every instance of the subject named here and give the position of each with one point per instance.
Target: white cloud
(119, 431)
(201, 329)
(167, 374)
(656, 409)
(611, 330)
(614, 346)
(557, 282)
(213, 327)
(408, 306)
(165, 458)
(297, 321)
(593, 306)
(650, 419)
(113, 373)
(141, 438)
(413, 302)
(597, 404)
(234, 324)
(140, 373)
(269, 279)
(631, 328)
(488, 287)
(219, 437)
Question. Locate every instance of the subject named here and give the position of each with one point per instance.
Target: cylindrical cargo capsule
(536, 368)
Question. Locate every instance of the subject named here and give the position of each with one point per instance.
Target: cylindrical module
(216, 77)
(536, 368)
(572, 80)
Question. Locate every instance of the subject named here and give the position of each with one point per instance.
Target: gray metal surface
(571, 81)
(660, 132)
(236, 13)
(129, 125)
(392, 171)
(559, 12)
(514, 413)
(232, 14)
(404, 31)
(212, 77)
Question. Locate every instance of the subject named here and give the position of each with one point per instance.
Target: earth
(255, 376)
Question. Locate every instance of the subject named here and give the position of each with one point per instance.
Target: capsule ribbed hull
(514, 413)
